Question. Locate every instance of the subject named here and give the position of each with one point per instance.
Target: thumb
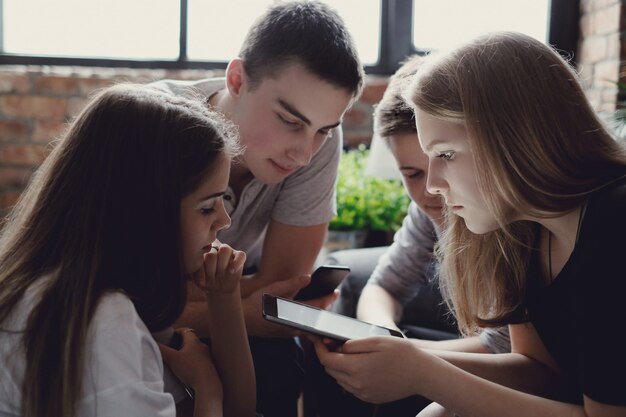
(166, 352)
(366, 345)
(289, 287)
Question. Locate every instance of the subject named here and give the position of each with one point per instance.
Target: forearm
(377, 306)
(466, 344)
(231, 352)
(473, 395)
(196, 316)
(508, 369)
(208, 403)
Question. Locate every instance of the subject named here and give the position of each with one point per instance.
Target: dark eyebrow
(302, 117)
(221, 193)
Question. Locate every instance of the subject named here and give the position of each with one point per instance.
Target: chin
(267, 176)
(480, 229)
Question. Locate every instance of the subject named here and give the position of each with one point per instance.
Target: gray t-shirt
(305, 198)
(404, 269)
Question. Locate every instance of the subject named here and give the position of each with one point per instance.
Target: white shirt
(123, 373)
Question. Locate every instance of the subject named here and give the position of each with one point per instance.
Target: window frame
(396, 41)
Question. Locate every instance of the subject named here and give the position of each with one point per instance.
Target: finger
(366, 345)
(189, 336)
(321, 350)
(237, 262)
(209, 266)
(166, 352)
(224, 256)
(342, 378)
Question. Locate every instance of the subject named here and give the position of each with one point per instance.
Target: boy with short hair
(287, 92)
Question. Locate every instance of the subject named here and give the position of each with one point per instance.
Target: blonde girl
(535, 189)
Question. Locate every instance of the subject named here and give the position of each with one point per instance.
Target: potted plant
(365, 204)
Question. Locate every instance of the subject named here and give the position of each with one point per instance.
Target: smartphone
(321, 322)
(324, 280)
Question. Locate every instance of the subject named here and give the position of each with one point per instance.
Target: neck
(239, 177)
(221, 102)
(559, 239)
(564, 228)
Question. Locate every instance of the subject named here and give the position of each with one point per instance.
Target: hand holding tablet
(320, 322)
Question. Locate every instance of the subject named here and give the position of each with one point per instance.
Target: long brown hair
(103, 213)
(538, 146)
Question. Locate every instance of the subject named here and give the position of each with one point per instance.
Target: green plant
(365, 202)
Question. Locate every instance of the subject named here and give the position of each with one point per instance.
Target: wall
(36, 102)
(602, 50)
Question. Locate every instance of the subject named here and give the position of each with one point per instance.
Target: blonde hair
(538, 147)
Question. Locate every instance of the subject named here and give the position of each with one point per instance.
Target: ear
(236, 78)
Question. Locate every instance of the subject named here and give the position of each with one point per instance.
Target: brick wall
(602, 50)
(36, 102)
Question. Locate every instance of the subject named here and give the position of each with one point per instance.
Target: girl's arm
(534, 373)
(385, 369)
(195, 368)
(229, 341)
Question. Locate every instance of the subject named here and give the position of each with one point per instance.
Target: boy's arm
(288, 251)
(377, 306)
(289, 254)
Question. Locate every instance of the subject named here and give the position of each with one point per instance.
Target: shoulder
(117, 330)
(417, 225)
(330, 149)
(115, 305)
(605, 215)
(122, 359)
(204, 87)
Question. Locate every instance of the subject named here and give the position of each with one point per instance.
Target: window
(363, 22)
(92, 29)
(442, 23)
(205, 34)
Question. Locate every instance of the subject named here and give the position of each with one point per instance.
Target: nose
(435, 183)
(223, 221)
(428, 193)
(302, 153)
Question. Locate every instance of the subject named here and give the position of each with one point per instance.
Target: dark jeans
(425, 317)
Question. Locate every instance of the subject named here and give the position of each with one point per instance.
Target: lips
(286, 169)
(434, 206)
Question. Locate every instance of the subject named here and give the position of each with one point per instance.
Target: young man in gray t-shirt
(286, 94)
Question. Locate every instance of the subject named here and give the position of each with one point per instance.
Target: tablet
(321, 322)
